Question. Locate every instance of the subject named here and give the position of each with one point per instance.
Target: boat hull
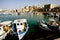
(22, 34)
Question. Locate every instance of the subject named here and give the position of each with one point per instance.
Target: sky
(14, 4)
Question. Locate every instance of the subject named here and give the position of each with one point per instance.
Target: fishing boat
(52, 25)
(20, 28)
(4, 29)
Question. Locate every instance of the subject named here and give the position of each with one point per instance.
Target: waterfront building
(56, 9)
(48, 7)
(36, 8)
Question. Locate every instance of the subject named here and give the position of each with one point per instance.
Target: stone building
(48, 7)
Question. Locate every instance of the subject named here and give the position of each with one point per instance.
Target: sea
(33, 20)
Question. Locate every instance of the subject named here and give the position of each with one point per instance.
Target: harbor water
(33, 20)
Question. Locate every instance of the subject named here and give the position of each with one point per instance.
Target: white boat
(3, 33)
(21, 26)
(50, 26)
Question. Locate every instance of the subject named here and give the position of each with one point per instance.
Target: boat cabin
(20, 24)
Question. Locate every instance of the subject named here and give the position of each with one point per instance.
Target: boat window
(17, 23)
(21, 23)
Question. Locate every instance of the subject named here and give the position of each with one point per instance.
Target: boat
(20, 28)
(4, 29)
(52, 25)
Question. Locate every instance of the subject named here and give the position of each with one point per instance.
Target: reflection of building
(48, 7)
